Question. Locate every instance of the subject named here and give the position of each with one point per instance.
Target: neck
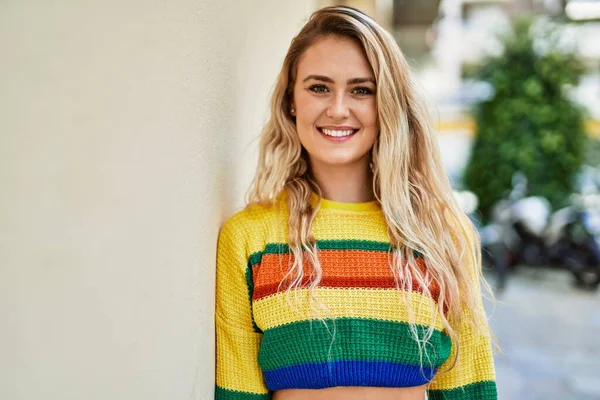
(351, 183)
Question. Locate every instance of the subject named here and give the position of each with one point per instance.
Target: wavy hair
(409, 181)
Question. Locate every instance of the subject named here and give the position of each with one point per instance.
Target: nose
(338, 109)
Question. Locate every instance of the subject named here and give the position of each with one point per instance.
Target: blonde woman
(352, 273)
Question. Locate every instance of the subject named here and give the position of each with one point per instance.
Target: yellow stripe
(466, 372)
(382, 304)
(475, 364)
(372, 228)
(232, 298)
(237, 359)
(267, 223)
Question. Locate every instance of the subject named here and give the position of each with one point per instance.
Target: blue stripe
(348, 373)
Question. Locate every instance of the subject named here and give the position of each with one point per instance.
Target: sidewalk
(549, 332)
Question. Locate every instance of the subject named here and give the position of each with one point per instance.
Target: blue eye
(362, 91)
(318, 88)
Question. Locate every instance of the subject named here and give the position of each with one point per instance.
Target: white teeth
(337, 133)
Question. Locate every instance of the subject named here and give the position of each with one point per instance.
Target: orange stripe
(341, 268)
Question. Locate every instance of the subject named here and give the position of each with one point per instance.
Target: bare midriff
(352, 393)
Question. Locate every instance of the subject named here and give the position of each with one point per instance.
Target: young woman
(352, 273)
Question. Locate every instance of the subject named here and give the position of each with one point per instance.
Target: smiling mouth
(337, 133)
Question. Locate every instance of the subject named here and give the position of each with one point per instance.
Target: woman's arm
(238, 375)
(473, 377)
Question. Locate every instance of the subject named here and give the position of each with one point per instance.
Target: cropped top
(268, 339)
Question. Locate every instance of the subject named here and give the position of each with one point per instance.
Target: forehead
(334, 57)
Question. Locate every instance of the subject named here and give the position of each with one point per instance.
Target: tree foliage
(528, 124)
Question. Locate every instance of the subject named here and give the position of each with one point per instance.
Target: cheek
(306, 117)
(308, 108)
(370, 122)
(368, 115)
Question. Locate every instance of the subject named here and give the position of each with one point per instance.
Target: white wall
(123, 132)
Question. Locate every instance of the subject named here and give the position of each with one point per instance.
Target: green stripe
(250, 284)
(355, 339)
(368, 245)
(283, 248)
(226, 394)
(353, 245)
(485, 390)
(254, 259)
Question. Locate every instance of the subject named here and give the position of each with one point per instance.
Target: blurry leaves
(528, 124)
(592, 154)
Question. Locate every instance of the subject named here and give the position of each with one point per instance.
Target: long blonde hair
(409, 182)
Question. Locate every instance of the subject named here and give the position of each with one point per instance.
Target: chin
(339, 161)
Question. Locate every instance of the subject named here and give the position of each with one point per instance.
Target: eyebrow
(329, 80)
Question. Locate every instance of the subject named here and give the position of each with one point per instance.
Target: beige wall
(124, 131)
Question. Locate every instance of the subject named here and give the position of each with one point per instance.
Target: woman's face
(334, 103)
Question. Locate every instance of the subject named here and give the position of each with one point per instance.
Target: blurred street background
(548, 332)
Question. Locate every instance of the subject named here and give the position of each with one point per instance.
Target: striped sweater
(267, 341)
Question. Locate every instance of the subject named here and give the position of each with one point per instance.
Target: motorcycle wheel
(589, 278)
(585, 276)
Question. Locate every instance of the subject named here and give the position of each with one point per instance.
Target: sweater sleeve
(238, 375)
(473, 377)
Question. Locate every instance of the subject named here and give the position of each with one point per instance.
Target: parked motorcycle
(525, 231)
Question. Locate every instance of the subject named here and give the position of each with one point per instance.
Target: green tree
(528, 124)
(592, 154)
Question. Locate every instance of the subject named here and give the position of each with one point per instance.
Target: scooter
(524, 231)
(573, 233)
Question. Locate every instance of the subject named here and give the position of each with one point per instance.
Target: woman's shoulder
(254, 214)
(254, 220)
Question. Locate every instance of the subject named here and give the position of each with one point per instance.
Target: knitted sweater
(268, 341)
